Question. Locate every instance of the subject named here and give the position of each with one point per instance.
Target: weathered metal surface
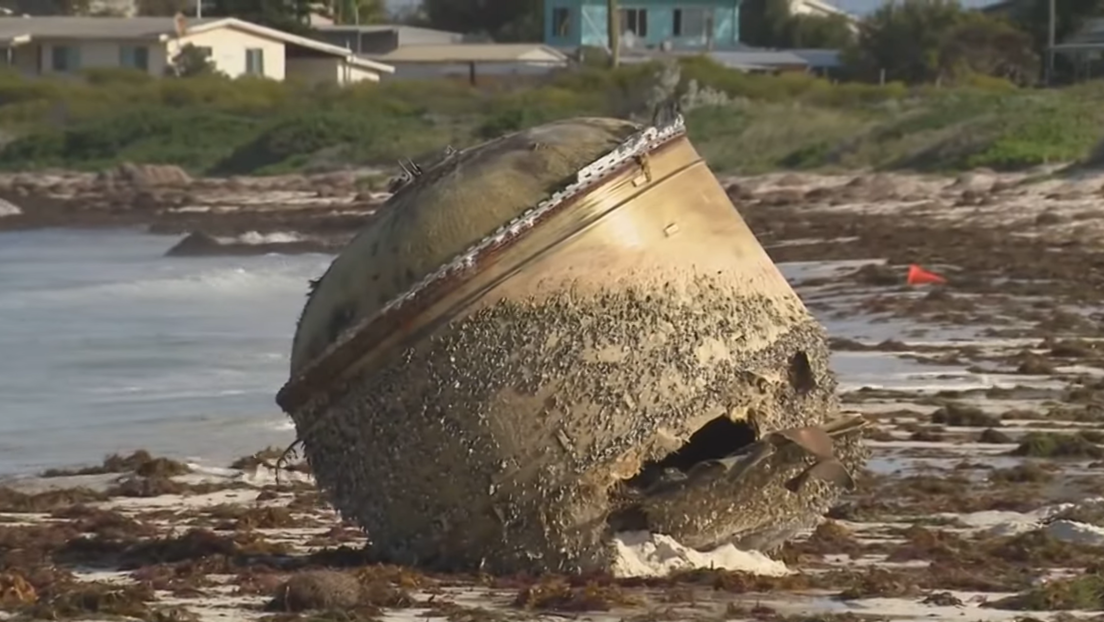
(509, 398)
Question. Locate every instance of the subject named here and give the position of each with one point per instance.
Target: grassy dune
(741, 123)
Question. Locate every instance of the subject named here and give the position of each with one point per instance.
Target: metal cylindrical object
(501, 370)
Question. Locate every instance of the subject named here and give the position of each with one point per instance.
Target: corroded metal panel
(620, 355)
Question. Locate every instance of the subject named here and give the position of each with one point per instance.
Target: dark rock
(196, 243)
(995, 437)
(200, 244)
(145, 175)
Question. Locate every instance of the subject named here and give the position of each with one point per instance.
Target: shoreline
(982, 501)
(321, 211)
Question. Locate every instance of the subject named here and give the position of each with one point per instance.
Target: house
(754, 60)
(700, 24)
(666, 24)
(471, 60)
(428, 53)
(820, 61)
(382, 38)
(743, 58)
(1085, 49)
(38, 46)
(819, 8)
(749, 59)
(116, 8)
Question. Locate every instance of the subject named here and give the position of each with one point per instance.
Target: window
(254, 61)
(64, 58)
(635, 21)
(135, 57)
(689, 22)
(561, 22)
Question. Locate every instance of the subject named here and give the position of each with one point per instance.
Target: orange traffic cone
(920, 276)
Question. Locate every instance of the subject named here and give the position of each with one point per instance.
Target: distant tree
(72, 7)
(502, 20)
(817, 31)
(904, 39)
(991, 46)
(161, 8)
(190, 62)
(356, 11)
(917, 41)
(288, 15)
(763, 22)
(770, 23)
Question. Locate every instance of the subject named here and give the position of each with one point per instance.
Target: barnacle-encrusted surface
(509, 429)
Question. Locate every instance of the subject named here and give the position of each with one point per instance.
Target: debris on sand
(1085, 593)
(1058, 445)
(320, 589)
(559, 595)
(14, 501)
(961, 415)
(140, 463)
(673, 385)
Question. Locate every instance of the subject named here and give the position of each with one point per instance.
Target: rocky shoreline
(983, 500)
(321, 212)
(237, 215)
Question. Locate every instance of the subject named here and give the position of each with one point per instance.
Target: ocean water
(108, 346)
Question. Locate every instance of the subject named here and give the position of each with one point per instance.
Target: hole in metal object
(801, 374)
(629, 519)
(717, 439)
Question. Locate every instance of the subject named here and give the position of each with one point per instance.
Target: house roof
(383, 28)
(744, 58)
(288, 38)
(17, 30)
(756, 58)
(475, 53)
(820, 58)
(1090, 36)
(826, 7)
(59, 27)
(996, 7)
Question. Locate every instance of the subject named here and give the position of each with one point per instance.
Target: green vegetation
(1081, 445)
(1085, 592)
(741, 123)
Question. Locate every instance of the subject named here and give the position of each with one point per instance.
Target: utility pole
(1051, 27)
(613, 28)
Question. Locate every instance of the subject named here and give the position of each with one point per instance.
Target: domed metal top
(444, 212)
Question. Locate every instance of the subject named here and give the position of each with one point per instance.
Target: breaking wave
(217, 284)
(277, 237)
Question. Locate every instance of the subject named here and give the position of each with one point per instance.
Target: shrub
(210, 123)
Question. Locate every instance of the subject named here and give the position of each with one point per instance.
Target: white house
(40, 46)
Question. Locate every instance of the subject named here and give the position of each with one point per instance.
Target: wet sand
(983, 500)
